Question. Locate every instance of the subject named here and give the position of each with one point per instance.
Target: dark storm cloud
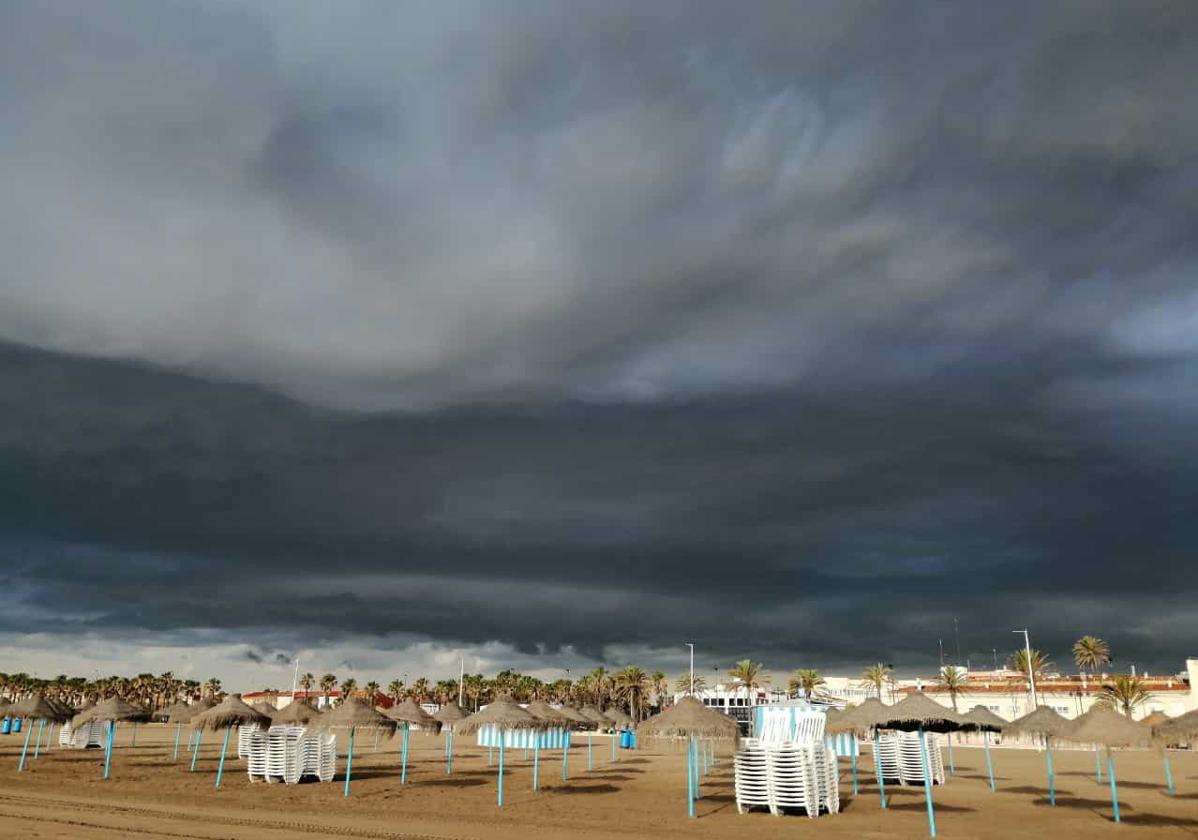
(596, 319)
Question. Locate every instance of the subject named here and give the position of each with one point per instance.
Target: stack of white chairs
(793, 781)
(888, 756)
(88, 735)
(244, 734)
(828, 778)
(910, 757)
(752, 777)
(290, 754)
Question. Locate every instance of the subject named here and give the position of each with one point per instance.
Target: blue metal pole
(1052, 781)
(349, 762)
(989, 764)
(590, 748)
(566, 757)
(853, 759)
(927, 782)
(178, 729)
(490, 754)
(24, 749)
(952, 765)
(449, 765)
(403, 774)
(536, 763)
(37, 744)
(613, 747)
(224, 747)
(698, 790)
(195, 752)
(1168, 771)
(501, 745)
(690, 778)
(1110, 772)
(878, 768)
(108, 750)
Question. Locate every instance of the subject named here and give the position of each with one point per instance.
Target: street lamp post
(691, 645)
(1031, 676)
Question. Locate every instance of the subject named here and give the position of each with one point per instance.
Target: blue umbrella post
(352, 715)
(25, 749)
(229, 713)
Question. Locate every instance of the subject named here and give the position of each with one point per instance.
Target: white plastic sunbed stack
(88, 735)
(291, 754)
(244, 734)
(910, 757)
(752, 776)
(888, 756)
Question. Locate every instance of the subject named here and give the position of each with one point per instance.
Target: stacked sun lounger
(291, 754)
(910, 756)
(88, 735)
(244, 734)
(752, 777)
(787, 776)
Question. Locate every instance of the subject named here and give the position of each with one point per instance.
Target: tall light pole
(691, 645)
(1031, 677)
(461, 679)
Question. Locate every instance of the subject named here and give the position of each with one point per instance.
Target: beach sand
(642, 795)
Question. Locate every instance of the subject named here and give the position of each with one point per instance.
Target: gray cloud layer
(806, 318)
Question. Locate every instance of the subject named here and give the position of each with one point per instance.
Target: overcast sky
(554, 334)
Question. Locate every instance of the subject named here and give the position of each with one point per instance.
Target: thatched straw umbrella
(265, 708)
(1155, 719)
(299, 712)
(502, 716)
(688, 718)
(449, 714)
(919, 713)
(1107, 727)
(353, 715)
(862, 720)
(177, 713)
(407, 714)
(981, 719)
(34, 707)
(113, 710)
(1046, 723)
(229, 713)
(1183, 728)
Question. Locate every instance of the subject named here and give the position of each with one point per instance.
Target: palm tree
(395, 690)
(327, 683)
(372, 692)
(632, 685)
(952, 680)
(683, 684)
(750, 674)
(1018, 662)
(306, 682)
(806, 680)
(876, 675)
(212, 686)
(420, 688)
(661, 687)
(1090, 652)
(348, 686)
(1123, 694)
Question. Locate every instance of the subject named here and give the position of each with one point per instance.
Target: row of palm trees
(151, 691)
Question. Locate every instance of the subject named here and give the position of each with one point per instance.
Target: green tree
(1018, 662)
(683, 684)
(1123, 694)
(327, 683)
(632, 687)
(805, 680)
(1091, 653)
(750, 674)
(952, 680)
(348, 686)
(876, 676)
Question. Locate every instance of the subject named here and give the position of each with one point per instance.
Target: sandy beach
(643, 794)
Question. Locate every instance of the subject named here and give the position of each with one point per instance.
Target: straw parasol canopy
(265, 708)
(115, 709)
(503, 715)
(918, 710)
(575, 717)
(35, 707)
(231, 711)
(982, 719)
(594, 716)
(1042, 721)
(297, 711)
(618, 716)
(858, 719)
(449, 714)
(1155, 719)
(353, 714)
(178, 712)
(551, 716)
(4, 704)
(409, 712)
(689, 717)
(1105, 726)
(1181, 728)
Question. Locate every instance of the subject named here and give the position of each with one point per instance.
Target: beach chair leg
(690, 778)
(989, 763)
(25, 749)
(501, 746)
(536, 764)
(927, 782)
(224, 748)
(195, 752)
(878, 769)
(349, 762)
(1168, 772)
(108, 750)
(403, 773)
(1110, 772)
